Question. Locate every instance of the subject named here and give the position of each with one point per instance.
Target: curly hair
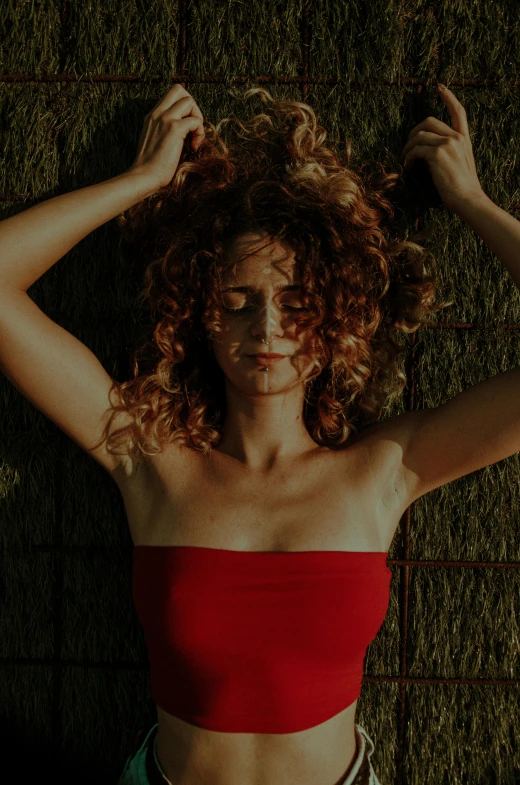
(275, 176)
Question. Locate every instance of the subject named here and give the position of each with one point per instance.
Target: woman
(260, 509)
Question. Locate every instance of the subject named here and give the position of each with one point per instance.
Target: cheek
(233, 333)
(308, 342)
(227, 344)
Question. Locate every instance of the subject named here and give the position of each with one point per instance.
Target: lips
(266, 359)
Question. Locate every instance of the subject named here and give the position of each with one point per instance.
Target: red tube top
(257, 642)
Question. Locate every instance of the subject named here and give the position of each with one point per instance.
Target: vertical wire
(58, 550)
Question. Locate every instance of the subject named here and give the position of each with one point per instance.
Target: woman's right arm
(35, 239)
(46, 363)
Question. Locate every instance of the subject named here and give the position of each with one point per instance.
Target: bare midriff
(323, 754)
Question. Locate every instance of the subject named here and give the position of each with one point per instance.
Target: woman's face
(260, 304)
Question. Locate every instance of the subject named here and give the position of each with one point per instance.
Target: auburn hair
(273, 175)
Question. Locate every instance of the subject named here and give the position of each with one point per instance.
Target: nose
(268, 322)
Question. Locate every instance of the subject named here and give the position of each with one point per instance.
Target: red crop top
(257, 642)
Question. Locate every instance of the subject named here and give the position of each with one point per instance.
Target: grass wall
(441, 689)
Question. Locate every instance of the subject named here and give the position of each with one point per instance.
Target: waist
(190, 755)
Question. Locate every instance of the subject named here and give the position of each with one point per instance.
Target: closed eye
(252, 307)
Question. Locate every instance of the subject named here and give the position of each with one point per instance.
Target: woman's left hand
(448, 153)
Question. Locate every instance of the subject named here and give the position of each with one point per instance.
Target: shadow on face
(260, 306)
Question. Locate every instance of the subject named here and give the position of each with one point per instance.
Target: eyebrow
(249, 289)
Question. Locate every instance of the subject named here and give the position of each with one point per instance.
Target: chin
(266, 382)
(277, 379)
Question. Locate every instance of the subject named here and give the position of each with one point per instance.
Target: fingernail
(442, 86)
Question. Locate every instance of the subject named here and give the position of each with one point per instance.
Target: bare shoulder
(137, 467)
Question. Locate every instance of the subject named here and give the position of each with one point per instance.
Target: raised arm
(47, 364)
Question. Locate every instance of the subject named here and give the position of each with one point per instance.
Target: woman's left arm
(499, 230)
(449, 155)
(481, 425)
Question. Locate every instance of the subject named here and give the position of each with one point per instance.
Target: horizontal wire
(9, 662)
(263, 79)
(104, 549)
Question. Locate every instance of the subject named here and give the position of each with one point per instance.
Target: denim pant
(143, 768)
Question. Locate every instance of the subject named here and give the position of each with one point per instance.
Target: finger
(457, 112)
(198, 135)
(419, 151)
(195, 112)
(168, 99)
(432, 124)
(426, 138)
(179, 109)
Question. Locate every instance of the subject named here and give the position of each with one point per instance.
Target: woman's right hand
(163, 134)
